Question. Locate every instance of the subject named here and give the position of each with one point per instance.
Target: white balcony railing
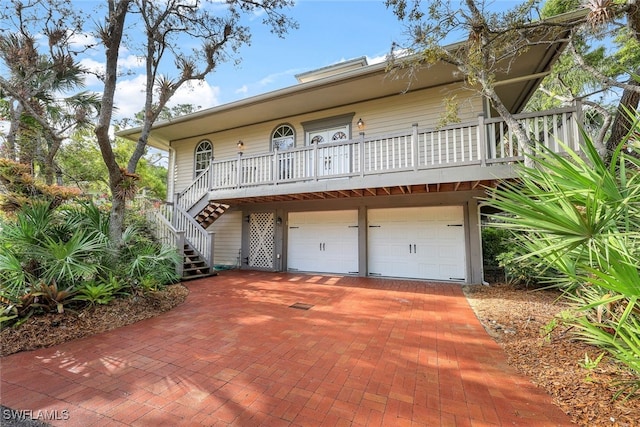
(158, 215)
(483, 142)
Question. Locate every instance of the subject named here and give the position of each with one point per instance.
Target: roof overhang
(359, 84)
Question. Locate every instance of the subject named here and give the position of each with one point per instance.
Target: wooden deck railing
(200, 239)
(482, 142)
(164, 231)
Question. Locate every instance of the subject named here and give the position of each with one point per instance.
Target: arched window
(203, 156)
(283, 138)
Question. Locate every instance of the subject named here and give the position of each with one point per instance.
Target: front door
(332, 160)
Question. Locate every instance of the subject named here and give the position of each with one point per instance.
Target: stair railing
(194, 192)
(165, 232)
(200, 239)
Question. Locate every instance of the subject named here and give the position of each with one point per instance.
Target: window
(283, 138)
(203, 156)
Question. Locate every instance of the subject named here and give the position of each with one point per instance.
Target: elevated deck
(459, 157)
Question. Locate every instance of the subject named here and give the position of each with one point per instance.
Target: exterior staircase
(183, 224)
(210, 213)
(193, 266)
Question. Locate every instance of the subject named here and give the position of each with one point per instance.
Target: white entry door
(332, 160)
(423, 242)
(324, 242)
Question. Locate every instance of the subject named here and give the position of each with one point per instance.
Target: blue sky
(329, 31)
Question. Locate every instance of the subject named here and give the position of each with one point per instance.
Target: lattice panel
(261, 239)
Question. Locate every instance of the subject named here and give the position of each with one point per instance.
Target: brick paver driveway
(369, 352)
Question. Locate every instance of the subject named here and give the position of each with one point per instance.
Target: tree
(600, 69)
(82, 166)
(32, 89)
(215, 28)
(495, 37)
(164, 24)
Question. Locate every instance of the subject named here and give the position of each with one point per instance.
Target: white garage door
(425, 243)
(324, 242)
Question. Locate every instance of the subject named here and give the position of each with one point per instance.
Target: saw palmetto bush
(53, 257)
(578, 218)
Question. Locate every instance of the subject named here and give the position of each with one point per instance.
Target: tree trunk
(111, 36)
(15, 109)
(49, 168)
(524, 143)
(622, 123)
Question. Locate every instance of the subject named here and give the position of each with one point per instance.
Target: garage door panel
(323, 241)
(423, 242)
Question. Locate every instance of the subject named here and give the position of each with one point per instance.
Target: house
(349, 171)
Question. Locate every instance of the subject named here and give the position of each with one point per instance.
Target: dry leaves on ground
(52, 329)
(518, 319)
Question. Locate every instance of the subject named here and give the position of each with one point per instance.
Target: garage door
(425, 243)
(324, 242)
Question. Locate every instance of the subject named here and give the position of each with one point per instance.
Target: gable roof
(347, 83)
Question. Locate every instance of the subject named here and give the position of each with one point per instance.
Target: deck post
(361, 155)
(578, 141)
(176, 199)
(211, 237)
(276, 166)
(414, 146)
(180, 240)
(482, 142)
(239, 174)
(316, 161)
(210, 171)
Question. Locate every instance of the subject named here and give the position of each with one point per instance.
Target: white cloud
(197, 93)
(131, 61)
(129, 98)
(82, 41)
(94, 67)
(271, 78)
(376, 59)
(243, 90)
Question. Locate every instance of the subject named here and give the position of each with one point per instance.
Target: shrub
(54, 256)
(579, 218)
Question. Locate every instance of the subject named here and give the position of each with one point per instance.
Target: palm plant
(581, 217)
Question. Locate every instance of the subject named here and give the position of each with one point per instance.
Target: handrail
(483, 142)
(194, 191)
(195, 235)
(165, 232)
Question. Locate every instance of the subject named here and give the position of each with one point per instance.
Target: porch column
(362, 242)
(476, 274)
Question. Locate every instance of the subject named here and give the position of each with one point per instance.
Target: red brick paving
(370, 352)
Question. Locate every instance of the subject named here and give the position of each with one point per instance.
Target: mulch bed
(518, 319)
(51, 329)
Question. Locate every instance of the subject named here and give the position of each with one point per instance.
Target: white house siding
(381, 116)
(228, 229)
